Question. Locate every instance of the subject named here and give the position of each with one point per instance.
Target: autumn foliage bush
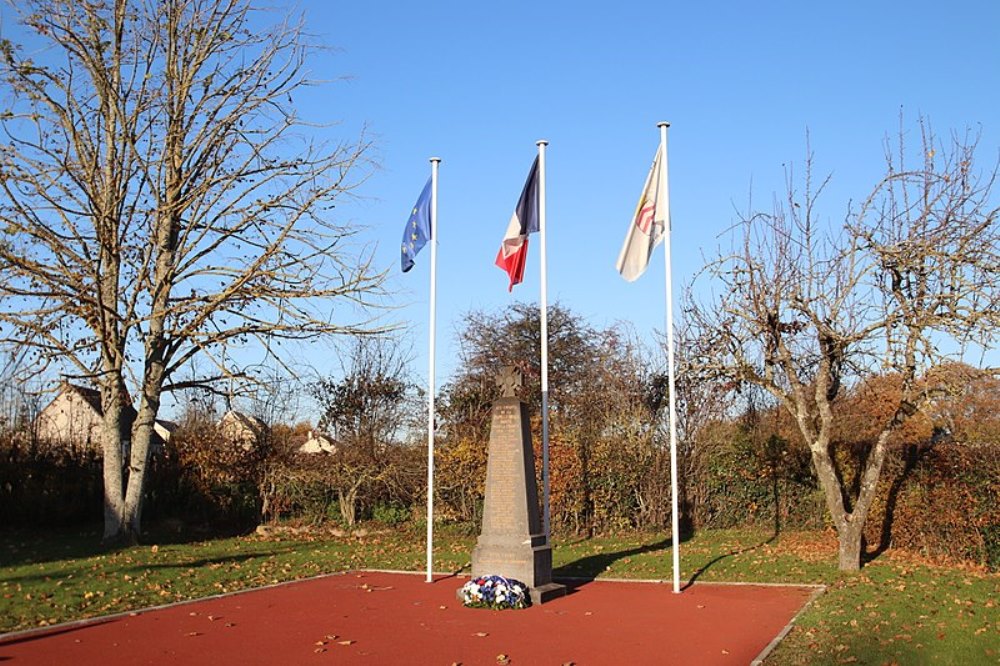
(42, 485)
(299, 488)
(204, 478)
(941, 501)
(607, 485)
(344, 487)
(938, 499)
(737, 477)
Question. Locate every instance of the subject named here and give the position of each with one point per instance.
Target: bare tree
(802, 309)
(370, 404)
(162, 200)
(366, 411)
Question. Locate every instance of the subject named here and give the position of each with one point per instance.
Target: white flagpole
(545, 342)
(435, 161)
(674, 528)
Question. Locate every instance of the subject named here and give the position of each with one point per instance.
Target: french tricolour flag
(514, 248)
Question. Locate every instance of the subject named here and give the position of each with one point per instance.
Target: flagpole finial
(435, 159)
(541, 142)
(663, 123)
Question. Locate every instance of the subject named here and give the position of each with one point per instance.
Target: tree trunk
(135, 490)
(347, 500)
(114, 500)
(849, 525)
(114, 506)
(849, 552)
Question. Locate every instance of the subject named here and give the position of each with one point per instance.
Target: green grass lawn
(897, 610)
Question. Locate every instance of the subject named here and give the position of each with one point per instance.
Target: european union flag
(418, 228)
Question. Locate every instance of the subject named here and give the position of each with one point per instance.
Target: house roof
(93, 396)
(232, 418)
(318, 442)
(93, 399)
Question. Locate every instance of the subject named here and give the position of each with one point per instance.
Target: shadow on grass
(20, 546)
(23, 546)
(800, 648)
(733, 552)
(587, 569)
(86, 567)
(221, 559)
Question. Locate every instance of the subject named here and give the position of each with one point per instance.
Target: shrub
(349, 485)
(942, 501)
(202, 476)
(391, 513)
(741, 478)
(42, 484)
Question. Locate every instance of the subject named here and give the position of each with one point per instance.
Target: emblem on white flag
(648, 223)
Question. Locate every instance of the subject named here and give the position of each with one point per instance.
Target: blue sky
(478, 83)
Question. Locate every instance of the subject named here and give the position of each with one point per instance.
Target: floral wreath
(495, 592)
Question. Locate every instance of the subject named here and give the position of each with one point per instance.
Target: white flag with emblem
(646, 230)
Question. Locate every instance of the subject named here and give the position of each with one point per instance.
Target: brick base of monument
(527, 560)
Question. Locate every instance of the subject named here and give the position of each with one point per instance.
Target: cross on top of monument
(509, 381)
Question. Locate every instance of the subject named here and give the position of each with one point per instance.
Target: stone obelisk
(512, 543)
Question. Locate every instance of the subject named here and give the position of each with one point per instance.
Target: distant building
(164, 429)
(74, 418)
(318, 443)
(242, 429)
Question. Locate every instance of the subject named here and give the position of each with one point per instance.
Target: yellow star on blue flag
(418, 228)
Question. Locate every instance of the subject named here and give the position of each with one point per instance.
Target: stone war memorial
(512, 543)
